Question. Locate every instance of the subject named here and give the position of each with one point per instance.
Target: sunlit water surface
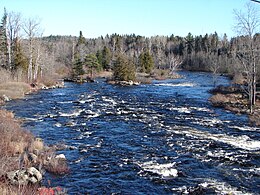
(162, 138)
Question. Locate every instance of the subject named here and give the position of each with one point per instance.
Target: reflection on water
(149, 139)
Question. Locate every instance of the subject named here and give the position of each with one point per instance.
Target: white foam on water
(181, 110)
(163, 170)
(245, 128)
(65, 102)
(208, 122)
(202, 109)
(255, 171)
(176, 84)
(110, 100)
(243, 142)
(30, 119)
(58, 125)
(75, 113)
(82, 101)
(222, 187)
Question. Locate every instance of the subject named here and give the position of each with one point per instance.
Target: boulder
(24, 176)
(5, 98)
(60, 156)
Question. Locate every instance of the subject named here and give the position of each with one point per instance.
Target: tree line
(28, 55)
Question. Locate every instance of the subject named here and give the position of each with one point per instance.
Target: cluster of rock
(38, 158)
(79, 79)
(58, 84)
(124, 83)
(5, 98)
(27, 176)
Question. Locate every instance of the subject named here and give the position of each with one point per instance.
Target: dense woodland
(28, 56)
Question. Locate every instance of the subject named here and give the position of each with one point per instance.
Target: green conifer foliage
(91, 62)
(3, 41)
(107, 56)
(20, 60)
(124, 69)
(78, 68)
(146, 62)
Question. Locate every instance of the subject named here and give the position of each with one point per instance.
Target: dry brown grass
(14, 90)
(57, 166)
(5, 76)
(37, 144)
(14, 142)
(6, 189)
(218, 99)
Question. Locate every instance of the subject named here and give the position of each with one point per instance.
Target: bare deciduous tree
(247, 24)
(174, 61)
(32, 31)
(13, 30)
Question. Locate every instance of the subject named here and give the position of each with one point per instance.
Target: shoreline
(24, 157)
(234, 99)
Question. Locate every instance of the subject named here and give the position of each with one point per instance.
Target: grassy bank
(234, 99)
(14, 142)
(21, 150)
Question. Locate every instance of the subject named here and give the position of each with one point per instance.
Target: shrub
(57, 166)
(218, 99)
(11, 145)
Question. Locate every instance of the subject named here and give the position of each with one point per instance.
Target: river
(161, 138)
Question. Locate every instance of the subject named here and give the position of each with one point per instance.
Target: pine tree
(92, 64)
(189, 43)
(79, 56)
(20, 60)
(124, 69)
(99, 57)
(3, 41)
(146, 62)
(78, 68)
(81, 39)
(107, 56)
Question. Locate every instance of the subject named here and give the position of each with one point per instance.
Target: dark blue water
(162, 138)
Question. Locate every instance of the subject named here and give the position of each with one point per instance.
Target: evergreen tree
(20, 60)
(146, 62)
(3, 41)
(78, 67)
(124, 69)
(81, 39)
(107, 56)
(189, 43)
(99, 57)
(214, 42)
(92, 64)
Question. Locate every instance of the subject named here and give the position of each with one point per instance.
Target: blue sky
(142, 17)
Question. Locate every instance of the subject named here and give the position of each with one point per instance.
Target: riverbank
(24, 158)
(235, 100)
(141, 78)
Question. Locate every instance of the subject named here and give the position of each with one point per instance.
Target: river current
(161, 138)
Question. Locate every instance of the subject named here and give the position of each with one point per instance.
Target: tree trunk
(30, 73)
(36, 68)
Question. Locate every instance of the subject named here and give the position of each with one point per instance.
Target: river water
(161, 138)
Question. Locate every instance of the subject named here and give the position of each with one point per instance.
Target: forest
(135, 121)
(27, 56)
